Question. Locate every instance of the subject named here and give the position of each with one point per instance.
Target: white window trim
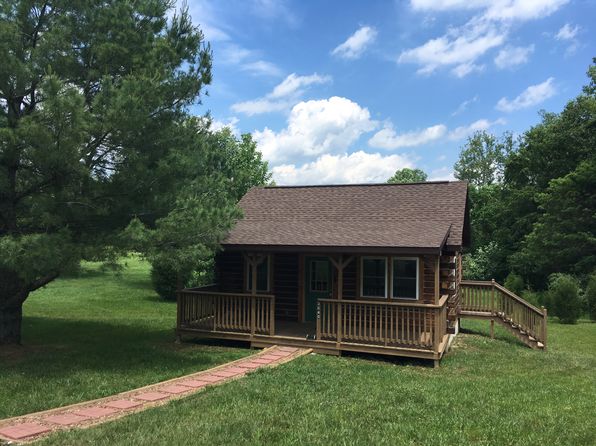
(268, 276)
(417, 278)
(362, 276)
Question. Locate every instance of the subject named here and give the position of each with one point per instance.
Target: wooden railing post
(544, 320)
(318, 320)
(272, 316)
(178, 315)
(437, 336)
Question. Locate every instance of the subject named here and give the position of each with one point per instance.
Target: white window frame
(362, 259)
(248, 273)
(417, 259)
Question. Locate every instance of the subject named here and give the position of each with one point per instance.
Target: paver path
(35, 425)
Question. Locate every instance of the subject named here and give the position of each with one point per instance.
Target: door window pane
(373, 277)
(319, 275)
(405, 273)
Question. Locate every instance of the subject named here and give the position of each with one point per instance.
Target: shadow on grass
(500, 334)
(68, 347)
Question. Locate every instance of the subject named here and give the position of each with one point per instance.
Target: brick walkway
(35, 425)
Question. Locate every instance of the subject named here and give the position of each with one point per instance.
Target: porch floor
(294, 329)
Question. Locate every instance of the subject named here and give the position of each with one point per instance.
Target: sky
(347, 91)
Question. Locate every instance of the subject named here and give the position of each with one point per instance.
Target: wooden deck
(389, 328)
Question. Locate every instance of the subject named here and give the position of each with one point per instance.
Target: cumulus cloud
(387, 138)
(282, 97)
(533, 95)
(466, 130)
(512, 56)
(357, 167)
(495, 9)
(461, 47)
(464, 106)
(314, 128)
(567, 32)
(230, 123)
(442, 174)
(261, 68)
(458, 48)
(356, 44)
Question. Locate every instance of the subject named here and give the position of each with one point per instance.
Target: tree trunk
(10, 324)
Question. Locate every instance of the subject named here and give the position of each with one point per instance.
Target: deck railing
(498, 301)
(207, 310)
(387, 324)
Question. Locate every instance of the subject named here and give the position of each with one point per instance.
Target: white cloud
(513, 56)
(274, 10)
(387, 138)
(461, 47)
(495, 9)
(230, 123)
(204, 15)
(567, 32)
(533, 95)
(464, 106)
(356, 44)
(314, 128)
(262, 68)
(466, 68)
(466, 130)
(442, 174)
(282, 97)
(357, 167)
(294, 84)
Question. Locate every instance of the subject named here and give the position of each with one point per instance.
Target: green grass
(95, 335)
(486, 392)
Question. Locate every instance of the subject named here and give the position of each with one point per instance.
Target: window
(262, 276)
(405, 278)
(374, 277)
(319, 275)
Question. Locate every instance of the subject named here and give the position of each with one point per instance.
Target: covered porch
(330, 302)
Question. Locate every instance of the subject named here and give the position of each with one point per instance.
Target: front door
(317, 286)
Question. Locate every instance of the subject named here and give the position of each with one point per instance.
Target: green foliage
(166, 280)
(407, 175)
(590, 296)
(93, 100)
(515, 282)
(482, 159)
(563, 292)
(478, 265)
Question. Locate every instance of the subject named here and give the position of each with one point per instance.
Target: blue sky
(349, 91)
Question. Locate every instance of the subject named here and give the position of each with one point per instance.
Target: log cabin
(373, 268)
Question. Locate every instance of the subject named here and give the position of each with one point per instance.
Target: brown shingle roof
(421, 215)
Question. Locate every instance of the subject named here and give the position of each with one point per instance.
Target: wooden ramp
(493, 302)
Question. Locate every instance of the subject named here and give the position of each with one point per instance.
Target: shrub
(515, 283)
(590, 296)
(165, 280)
(536, 298)
(563, 291)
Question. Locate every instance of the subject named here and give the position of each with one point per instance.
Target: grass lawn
(93, 336)
(485, 392)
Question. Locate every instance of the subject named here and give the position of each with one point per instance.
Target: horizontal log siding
(350, 280)
(229, 271)
(285, 286)
(428, 264)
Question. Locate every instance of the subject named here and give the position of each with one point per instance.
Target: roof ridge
(303, 186)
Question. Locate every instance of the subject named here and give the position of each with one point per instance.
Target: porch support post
(437, 280)
(254, 261)
(340, 264)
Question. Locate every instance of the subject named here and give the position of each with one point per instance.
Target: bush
(536, 298)
(165, 280)
(515, 283)
(563, 291)
(590, 296)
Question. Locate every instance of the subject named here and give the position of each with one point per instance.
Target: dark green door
(317, 286)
